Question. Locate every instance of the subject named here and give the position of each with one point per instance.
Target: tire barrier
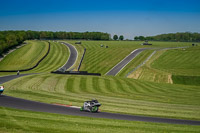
(22, 70)
(76, 73)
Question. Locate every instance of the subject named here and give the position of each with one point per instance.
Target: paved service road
(72, 58)
(116, 69)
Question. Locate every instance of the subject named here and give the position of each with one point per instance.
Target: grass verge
(13, 120)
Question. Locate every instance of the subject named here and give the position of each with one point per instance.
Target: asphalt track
(72, 58)
(117, 68)
(18, 103)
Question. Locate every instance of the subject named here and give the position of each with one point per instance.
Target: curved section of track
(72, 58)
(18, 103)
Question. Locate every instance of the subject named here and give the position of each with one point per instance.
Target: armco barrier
(22, 70)
(77, 73)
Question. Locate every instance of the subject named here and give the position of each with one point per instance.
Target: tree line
(182, 37)
(9, 39)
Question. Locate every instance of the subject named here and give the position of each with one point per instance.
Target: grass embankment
(13, 120)
(147, 73)
(139, 59)
(179, 61)
(116, 94)
(25, 57)
(180, 66)
(100, 59)
(56, 58)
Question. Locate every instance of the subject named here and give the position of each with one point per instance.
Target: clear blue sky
(127, 17)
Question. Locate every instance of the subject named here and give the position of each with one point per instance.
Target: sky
(122, 17)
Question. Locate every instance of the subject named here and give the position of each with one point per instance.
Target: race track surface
(72, 58)
(116, 69)
(10, 77)
(18, 103)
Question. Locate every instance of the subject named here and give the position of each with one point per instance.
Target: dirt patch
(170, 79)
(135, 75)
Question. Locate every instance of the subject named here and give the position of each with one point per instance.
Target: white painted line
(75, 107)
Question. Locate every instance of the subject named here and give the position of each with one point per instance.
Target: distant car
(91, 106)
(1, 89)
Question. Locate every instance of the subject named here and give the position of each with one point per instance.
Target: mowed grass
(178, 66)
(187, 80)
(100, 59)
(179, 61)
(116, 94)
(13, 120)
(25, 57)
(56, 58)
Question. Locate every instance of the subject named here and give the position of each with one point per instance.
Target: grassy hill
(25, 57)
(100, 59)
(30, 54)
(179, 61)
(56, 58)
(179, 66)
(121, 95)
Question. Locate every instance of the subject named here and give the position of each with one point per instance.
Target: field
(25, 57)
(56, 58)
(146, 91)
(179, 66)
(100, 59)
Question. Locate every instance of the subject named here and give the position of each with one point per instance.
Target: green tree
(121, 37)
(115, 37)
(141, 38)
(136, 38)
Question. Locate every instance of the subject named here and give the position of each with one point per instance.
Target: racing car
(91, 106)
(1, 89)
